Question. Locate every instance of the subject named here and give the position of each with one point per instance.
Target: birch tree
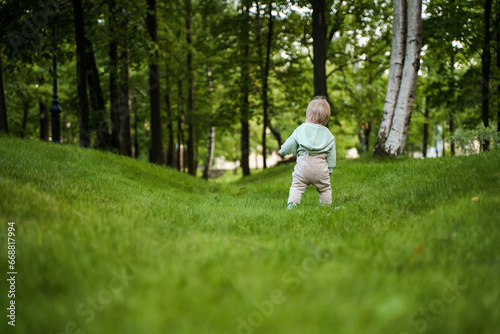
(403, 74)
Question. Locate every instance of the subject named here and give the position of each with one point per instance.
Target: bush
(468, 141)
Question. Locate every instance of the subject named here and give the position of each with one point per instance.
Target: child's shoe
(291, 205)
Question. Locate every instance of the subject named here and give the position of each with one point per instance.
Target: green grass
(107, 244)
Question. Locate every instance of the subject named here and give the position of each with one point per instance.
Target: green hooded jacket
(313, 139)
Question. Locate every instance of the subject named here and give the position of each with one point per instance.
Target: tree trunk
(319, 47)
(485, 66)
(365, 130)
(276, 135)
(452, 129)
(395, 143)
(452, 109)
(81, 73)
(180, 129)
(498, 71)
(4, 126)
(443, 149)
(26, 109)
(245, 89)
(125, 131)
(96, 99)
(156, 155)
(136, 133)
(209, 161)
(265, 84)
(395, 73)
(114, 92)
(426, 133)
(44, 121)
(170, 129)
(191, 144)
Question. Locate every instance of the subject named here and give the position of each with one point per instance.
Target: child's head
(318, 111)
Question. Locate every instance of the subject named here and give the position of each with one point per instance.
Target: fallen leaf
(418, 250)
(475, 198)
(432, 212)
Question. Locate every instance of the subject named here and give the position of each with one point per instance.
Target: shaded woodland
(181, 83)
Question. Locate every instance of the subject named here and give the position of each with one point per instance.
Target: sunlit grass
(107, 244)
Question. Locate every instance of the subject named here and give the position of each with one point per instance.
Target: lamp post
(55, 108)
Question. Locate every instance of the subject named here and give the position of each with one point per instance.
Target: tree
(170, 129)
(395, 72)
(265, 81)
(114, 93)
(125, 104)
(392, 142)
(157, 154)
(485, 66)
(245, 88)
(44, 121)
(319, 46)
(81, 73)
(4, 126)
(191, 144)
(98, 118)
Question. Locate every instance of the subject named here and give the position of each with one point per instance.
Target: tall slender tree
(265, 83)
(319, 31)
(485, 67)
(191, 117)
(245, 89)
(169, 161)
(426, 133)
(98, 118)
(81, 74)
(114, 93)
(44, 121)
(156, 154)
(4, 126)
(125, 103)
(24, 123)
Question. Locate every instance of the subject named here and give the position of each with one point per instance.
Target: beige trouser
(311, 169)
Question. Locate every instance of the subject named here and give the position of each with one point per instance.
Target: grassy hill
(107, 244)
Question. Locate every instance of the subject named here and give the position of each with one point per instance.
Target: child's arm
(290, 146)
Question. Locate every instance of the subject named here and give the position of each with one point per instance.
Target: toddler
(314, 146)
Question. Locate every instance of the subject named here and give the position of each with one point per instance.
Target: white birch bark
(395, 71)
(395, 143)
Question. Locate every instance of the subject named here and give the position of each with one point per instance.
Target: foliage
(468, 139)
(358, 46)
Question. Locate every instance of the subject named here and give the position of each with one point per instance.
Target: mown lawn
(107, 244)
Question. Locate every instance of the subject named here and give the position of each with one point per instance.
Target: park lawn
(108, 244)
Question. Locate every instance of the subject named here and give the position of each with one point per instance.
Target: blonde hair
(318, 111)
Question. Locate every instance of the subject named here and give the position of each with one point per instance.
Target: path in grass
(107, 244)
